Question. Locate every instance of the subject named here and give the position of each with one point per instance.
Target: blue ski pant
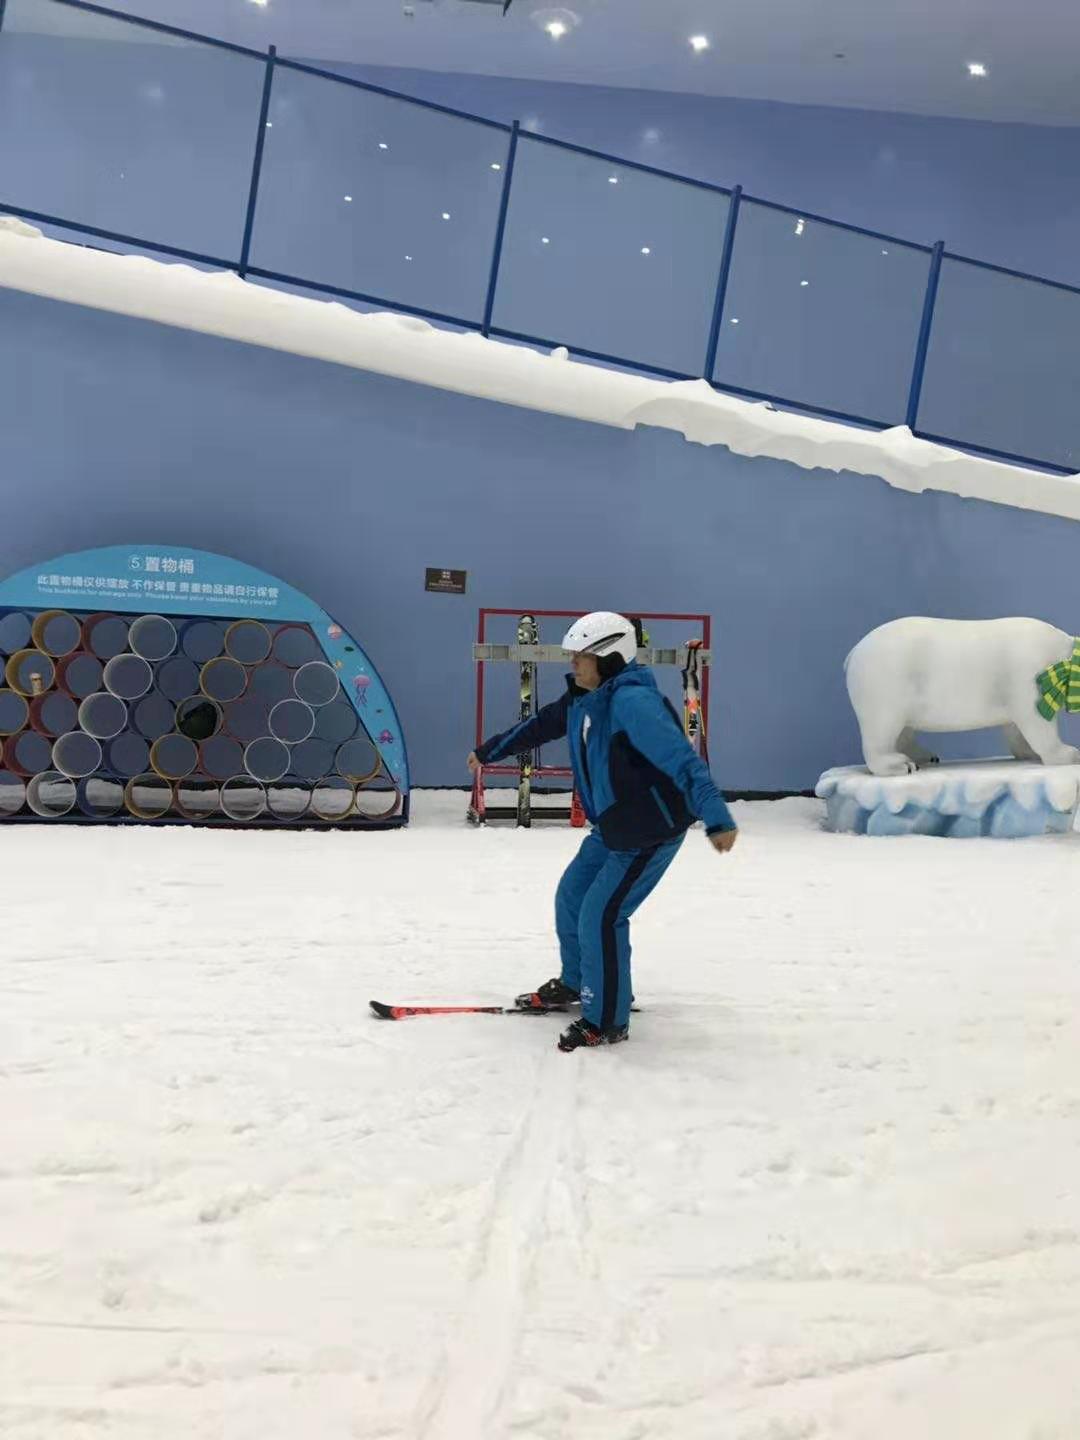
(599, 892)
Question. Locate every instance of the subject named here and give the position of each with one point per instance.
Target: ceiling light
(977, 68)
(383, 145)
(446, 214)
(612, 179)
(734, 320)
(262, 4)
(348, 199)
(408, 257)
(884, 252)
(544, 240)
(496, 166)
(645, 250)
(800, 226)
(804, 282)
(556, 20)
(698, 43)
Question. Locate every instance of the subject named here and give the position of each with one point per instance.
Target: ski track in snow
(470, 1388)
(829, 1191)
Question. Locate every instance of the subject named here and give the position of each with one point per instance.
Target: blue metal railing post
(256, 168)
(500, 229)
(722, 282)
(923, 346)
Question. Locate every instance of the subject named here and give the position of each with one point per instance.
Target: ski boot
(552, 995)
(583, 1032)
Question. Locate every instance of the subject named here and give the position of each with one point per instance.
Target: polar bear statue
(919, 674)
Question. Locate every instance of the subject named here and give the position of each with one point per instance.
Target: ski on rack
(527, 634)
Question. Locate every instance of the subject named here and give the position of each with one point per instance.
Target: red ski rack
(478, 809)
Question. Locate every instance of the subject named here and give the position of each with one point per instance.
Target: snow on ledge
(220, 303)
(1007, 799)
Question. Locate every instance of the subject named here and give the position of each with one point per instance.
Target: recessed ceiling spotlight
(545, 240)
(977, 68)
(262, 4)
(612, 179)
(800, 226)
(383, 145)
(804, 282)
(348, 199)
(496, 166)
(446, 214)
(734, 320)
(698, 43)
(645, 250)
(556, 22)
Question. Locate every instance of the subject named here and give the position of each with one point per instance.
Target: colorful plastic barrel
(223, 680)
(289, 800)
(100, 797)
(153, 637)
(27, 753)
(174, 756)
(248, 641)
(198, 798)
(14, 712)
(332, 798)
(148, 797)
(51, 795)
(295, 645)
(105, 635)
(80, 675)
(202, 640)
(128, 677)
(291, 721)
(221, 757)
(57, 633)
(266, 760)
(76, 754)
(242, 798)
(30, 672)
(14, 632)
(358, 760)
(316, 683)
(103, 715)
(12, 794)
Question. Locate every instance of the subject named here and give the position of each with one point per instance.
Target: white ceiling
(901, 55)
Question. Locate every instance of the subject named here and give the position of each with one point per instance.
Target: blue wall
(348, 485)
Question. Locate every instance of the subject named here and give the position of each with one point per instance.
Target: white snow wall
(350, 483)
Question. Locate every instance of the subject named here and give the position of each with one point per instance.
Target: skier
(642, 785)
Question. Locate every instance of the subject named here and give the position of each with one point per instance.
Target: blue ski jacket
(640, 780)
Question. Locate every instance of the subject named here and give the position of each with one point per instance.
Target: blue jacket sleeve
(654, 732)
(548, 724)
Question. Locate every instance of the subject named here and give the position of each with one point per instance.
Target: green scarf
(1060, 685)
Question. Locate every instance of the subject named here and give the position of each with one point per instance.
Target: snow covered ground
(829, 1190)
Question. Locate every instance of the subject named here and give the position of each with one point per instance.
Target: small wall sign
(445, 582)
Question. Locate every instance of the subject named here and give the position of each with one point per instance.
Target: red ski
(406, 1012)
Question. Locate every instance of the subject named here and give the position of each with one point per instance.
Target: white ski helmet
(601, 634)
